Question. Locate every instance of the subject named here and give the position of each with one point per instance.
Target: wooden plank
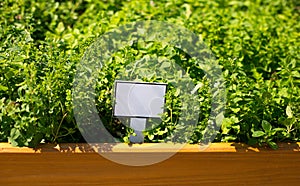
(214, 167)
(150, 147)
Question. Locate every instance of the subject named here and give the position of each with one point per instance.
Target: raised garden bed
(219, 164)
(254, 43)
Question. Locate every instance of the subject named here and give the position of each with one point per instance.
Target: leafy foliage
(256, 43)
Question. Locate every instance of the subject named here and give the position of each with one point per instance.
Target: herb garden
(256, 43)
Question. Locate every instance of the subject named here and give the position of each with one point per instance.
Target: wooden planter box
(220, 164)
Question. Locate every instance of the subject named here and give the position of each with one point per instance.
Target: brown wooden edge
(146, 147)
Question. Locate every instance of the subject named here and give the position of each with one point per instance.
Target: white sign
(139, 99)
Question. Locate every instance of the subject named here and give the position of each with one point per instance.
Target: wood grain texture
(146, 147)
(241, 167)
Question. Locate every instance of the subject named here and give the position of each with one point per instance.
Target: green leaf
(12, 142)
(289, 112)
(257, 134)
(266, 126)
(151, 137)
(165, 65)
(60, 27)
(273, 145)
(219, 118)
(14, 133)
(229, 138)
(279, 129)
(3, 88)
(226, 124)
(177, 92)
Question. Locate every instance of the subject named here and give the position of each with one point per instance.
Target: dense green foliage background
(256, 42)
